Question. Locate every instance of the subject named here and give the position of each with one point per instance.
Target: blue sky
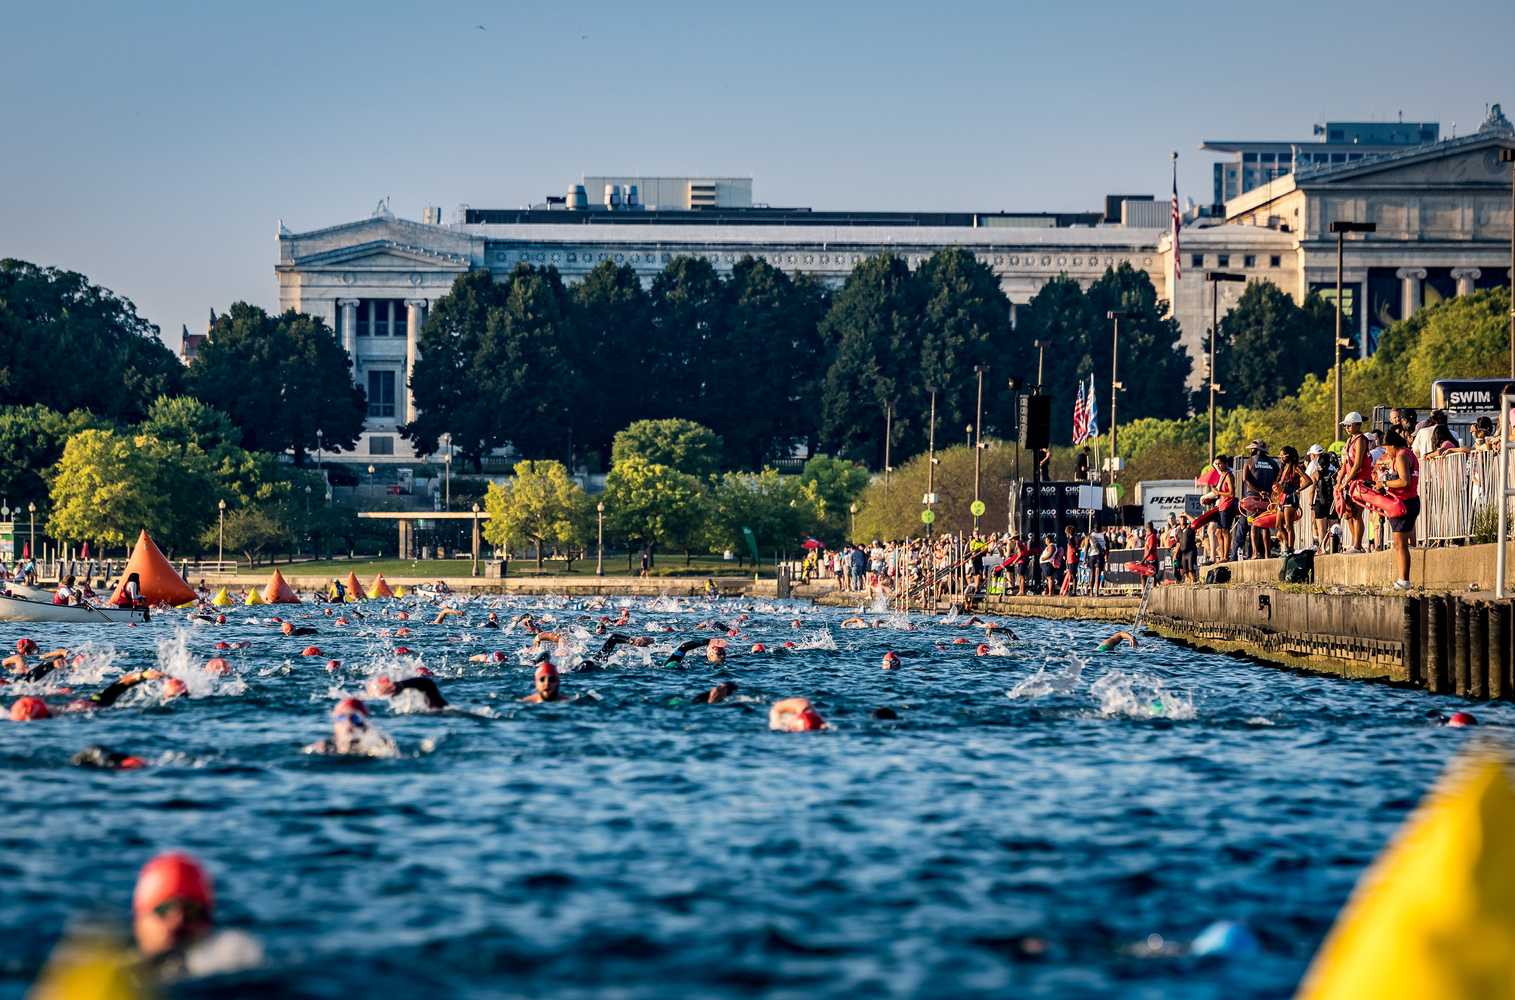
(155, 146)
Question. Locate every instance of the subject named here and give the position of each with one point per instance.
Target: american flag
(1177, 265)
(1080, 416)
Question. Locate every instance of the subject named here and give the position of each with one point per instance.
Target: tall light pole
(31, 509)
(852, 521)
(978, 438)
(319, 436)
(1215, 278)
(599, 556)
(447, 475)
(930, 497)
(888, 435)
(475, 540)
(1341, 228)
(370, 477)
(1041, 354)
(1507, 155)
(1115, 316)
(968, 436)
(220, 534)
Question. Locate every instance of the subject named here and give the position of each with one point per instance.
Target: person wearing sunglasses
(173, 922)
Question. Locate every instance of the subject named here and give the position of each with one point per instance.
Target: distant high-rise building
(1257, 162)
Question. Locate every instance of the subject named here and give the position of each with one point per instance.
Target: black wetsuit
(676, 658)
(302, 630)
(98, 756)
(41, 670)
(427, 687)
(107, 696)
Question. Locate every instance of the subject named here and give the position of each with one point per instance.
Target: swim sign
(978, 508)
(928, 515)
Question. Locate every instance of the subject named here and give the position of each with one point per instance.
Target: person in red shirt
(1402, 480)
(1356, 467)
(1149, 557)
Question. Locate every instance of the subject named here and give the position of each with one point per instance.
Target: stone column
(1410, 279)
(415, 315)
(1465, 276)
(349, 309)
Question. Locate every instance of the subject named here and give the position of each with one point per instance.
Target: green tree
(251, 531)
(609, 350)
(447, 380)
(687, 327)
(1153, 367)
(893, 510)
(31, 442)
(1267, 344)
(185, 421)
(766, 364)
(649, 505)
(110, 486)
(1465, 337)
(1061, 317)
(115, 362)
(281, 379)
(539, 504)
(965, 321)
(681, 445)
(779, 510)
(870, 335)
(834, 484)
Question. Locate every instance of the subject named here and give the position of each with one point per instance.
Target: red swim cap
(350, 706)
(311, 651)
(983, 649)
(891, 660)
(333, 666)
(959, 641)
(220, 619)
(131, 763)
(404, 616)
(758, 647)
(422, 672)
(223, 644)
(546, 668)
(788, 643)
(173, 688)
(1460, 719)
(733, 633)
(29, 708)
(402, 650)
(497, 656)
(170, 877)
(381, 686)
(402, 633)
(810, 720)
(217, 666)
(288, 628)
(25, 646)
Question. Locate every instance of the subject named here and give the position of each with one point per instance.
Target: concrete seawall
(1109, 609)
(1445, 644)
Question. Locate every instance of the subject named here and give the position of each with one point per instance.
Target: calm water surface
(1027, 823)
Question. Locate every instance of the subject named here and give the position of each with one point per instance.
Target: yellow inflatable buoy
(253, 597)
(1435, 915)
(222, 598)
(402, 591)
(87, 970)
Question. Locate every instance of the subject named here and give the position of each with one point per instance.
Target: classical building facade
(1442, 211)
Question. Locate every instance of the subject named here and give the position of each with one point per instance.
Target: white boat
(19, 609)
(30, 593)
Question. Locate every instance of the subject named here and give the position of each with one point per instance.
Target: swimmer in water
(1115, 640)
(289, 628)
(445, 614)
(19, 665)
(352, 734)
(525, 621)
(107, 696)
(856, 621)
(106, 760)
(794, 715)
(720, 692)
(491, 620)
(173, 922)
(545, 680)
(715, 652)
(383, 686)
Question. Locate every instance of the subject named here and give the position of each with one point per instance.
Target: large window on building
(381, 445)
(381, 317)
(381, 393)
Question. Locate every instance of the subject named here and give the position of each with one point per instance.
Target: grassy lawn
(667, 565)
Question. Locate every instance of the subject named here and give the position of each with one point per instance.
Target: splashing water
(1048, 680)
(1138, 695)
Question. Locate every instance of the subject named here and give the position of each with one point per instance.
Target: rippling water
(1023, 827)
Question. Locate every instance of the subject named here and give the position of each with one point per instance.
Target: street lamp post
(978, 439)
(220, 534)
(931, 457)
(1115, 316)
(31, 509)
(447, 475)
(1215, 278)
(1341, 228)
(599, 555)
(370, 477)
(319, 436)
(888, 435)
(1507, 155)
(852, 521)
(1041, 354)
(475, 540)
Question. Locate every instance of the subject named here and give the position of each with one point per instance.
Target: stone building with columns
(1443, 214)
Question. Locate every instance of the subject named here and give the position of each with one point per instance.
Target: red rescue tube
(1206, 517)
(1267, 520)
(1364, 495)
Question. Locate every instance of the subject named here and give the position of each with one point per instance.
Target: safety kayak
(19, 609)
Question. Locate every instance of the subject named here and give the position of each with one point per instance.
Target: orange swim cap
(350, 706)
(758, 647)
(173, 688)
(217, 666)
(983, 649)
(332, 666)
(311, 651)
(171, 877)
(29, 708)
(381, 686)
